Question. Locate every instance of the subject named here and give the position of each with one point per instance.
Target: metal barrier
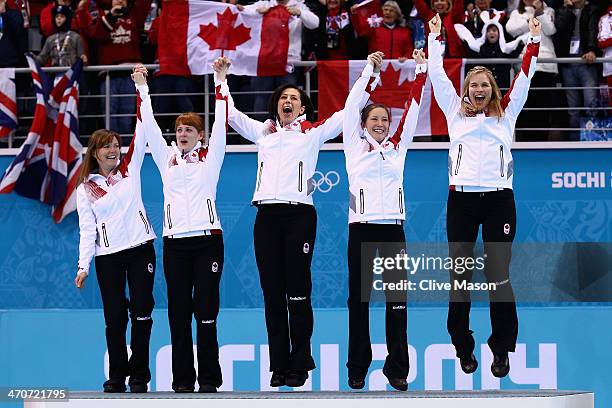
(105, 115)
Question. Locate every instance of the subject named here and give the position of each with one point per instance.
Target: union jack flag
(8, 104)
(48, 165)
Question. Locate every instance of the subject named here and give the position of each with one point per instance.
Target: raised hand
(376, 60)
(294, 11)
(139, 75)
(419, 56)
(221, 67)
(435, 24)
(534, 27)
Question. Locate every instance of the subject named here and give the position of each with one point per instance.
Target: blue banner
(558, 348)
(562, 196)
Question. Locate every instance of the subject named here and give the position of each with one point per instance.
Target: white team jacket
(479, 153)
(604, 35)
(190, 180)
(111, 214)
(376, 171)
(286, 156)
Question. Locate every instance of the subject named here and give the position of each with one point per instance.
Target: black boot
(469, 364)
(207, 389)
(295, 378)
(356, 383)
(399, 384)
(114, 386)
(501, 365)
(278, 379)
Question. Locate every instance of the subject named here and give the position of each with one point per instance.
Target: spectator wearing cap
(576, 24)
(472, 15)
(451, 13)
(117, 38)
(387, 34)
(492, 44)
(546, 73)
(64, 47)
(47, 23)
(11, 34)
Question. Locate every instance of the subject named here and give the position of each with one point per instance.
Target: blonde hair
(495, 107)
(98, 139)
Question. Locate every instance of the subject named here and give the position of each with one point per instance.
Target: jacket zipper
(211, 215)
(144, 221)
(458, 159)
(501, 160)
(259, 175)
(401, 201)
(300, 170)
(104, 237)
(168, 216)
(361, 201)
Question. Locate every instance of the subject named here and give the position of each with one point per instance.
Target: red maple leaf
(225, 36)
(392, 93)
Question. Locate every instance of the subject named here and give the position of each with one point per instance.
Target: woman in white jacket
(375, 167)
(545, 74)
(114, 228)
(286, 224)
(481, 124)
(193, 242)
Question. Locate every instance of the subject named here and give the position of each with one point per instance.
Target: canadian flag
(337, 77)
(192, 34)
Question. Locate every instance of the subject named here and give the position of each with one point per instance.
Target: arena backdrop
(564, 206)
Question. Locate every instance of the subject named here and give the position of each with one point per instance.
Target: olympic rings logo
(325, 182)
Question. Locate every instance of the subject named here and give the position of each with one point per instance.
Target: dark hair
(97, 140)
(304, 99)
(366, 111)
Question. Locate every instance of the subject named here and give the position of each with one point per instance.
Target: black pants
(496, 212)
(138, 266)
(284, 242)
(192, 267)
(388, 241)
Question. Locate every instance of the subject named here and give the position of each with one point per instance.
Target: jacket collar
(295, 125)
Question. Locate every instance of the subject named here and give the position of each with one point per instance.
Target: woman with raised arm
(286, 224)
(480, 167)
(375, 167)
(193, 242)
(114, 228)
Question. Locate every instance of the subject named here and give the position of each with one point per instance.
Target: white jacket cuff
(535, 39)
(420, 68)
(143, 89)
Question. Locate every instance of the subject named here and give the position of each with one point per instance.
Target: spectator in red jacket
(386, 34)
(451, 13)
(117, 37)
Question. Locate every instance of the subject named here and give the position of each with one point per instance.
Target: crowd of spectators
(111, 32)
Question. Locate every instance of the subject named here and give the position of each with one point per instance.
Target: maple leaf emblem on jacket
(225, 36)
